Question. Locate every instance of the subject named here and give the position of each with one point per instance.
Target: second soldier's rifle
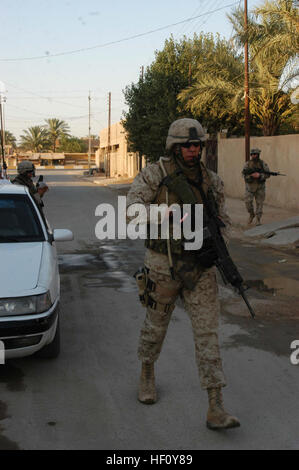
(219, 251)
(40, 180)
(250, 171)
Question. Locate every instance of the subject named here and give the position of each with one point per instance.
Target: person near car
(26, 171)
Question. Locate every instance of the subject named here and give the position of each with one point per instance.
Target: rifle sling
(207, 205)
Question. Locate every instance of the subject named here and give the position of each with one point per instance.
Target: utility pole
(2, 135)
(189, 75)
(142, 73)
(89, 138)
(2, 130)
(247, 112)
(109, 138)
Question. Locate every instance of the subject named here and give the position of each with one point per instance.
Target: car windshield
(18, 220)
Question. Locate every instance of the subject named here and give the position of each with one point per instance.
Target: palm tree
(282, 17)
(217, 89)
(219, 84)
(35, 138)
(10, 139)
(56, 129)
(273, 38)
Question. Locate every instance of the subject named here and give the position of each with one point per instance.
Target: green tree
(71, 144)
(35, 139)
(170, 87)
(153, 102)
(56, 129)
(215, 94)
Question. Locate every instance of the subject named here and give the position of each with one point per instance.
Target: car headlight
(25, 305)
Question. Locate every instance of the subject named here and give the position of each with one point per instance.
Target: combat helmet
(26, 167)
(184, 130)
(253, 151)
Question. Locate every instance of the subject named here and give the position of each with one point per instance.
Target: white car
(29, 277)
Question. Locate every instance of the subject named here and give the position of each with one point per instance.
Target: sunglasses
(187, 145)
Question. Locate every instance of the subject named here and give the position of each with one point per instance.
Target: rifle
(218, 251)
(40, 180)
(250, 171)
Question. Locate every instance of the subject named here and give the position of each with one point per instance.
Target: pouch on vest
(178, 184)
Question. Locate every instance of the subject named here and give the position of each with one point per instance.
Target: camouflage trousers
(202, 306)
(259, 195)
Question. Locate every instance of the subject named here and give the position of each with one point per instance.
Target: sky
(55, 52)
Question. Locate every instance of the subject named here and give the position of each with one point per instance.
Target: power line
(184, 28)
(24, 109)
(135, 36)
(192, 26)
(43, 114)
(50, 98)
(199, 24)
(45, 97)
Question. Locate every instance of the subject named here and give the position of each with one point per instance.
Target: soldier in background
(255, 186)
(26, 171)
(176, 272)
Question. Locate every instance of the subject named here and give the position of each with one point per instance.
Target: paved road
(86, 399)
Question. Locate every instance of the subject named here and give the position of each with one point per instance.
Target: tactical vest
(23, 181)
(256, 164)
(185, 193)
(255, 183)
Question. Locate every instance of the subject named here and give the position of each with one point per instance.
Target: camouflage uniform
(196, 285)
(255, 188)
(24, 180)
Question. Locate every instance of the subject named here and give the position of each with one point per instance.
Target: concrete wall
(281, 153)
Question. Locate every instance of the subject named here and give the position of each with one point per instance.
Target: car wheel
(52, 350)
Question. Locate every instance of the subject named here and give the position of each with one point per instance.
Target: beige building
(122, 162)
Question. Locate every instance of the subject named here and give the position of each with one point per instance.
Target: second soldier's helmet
(26, 167)
(255, 151)
(184, 130)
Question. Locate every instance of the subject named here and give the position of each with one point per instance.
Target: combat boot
(147, 389)
(250, 218)
(258, 220)
(217, 417)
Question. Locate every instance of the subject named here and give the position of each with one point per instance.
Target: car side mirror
(62, 235)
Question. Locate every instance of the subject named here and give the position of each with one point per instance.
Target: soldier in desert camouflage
(255, 187)
(171, 271)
